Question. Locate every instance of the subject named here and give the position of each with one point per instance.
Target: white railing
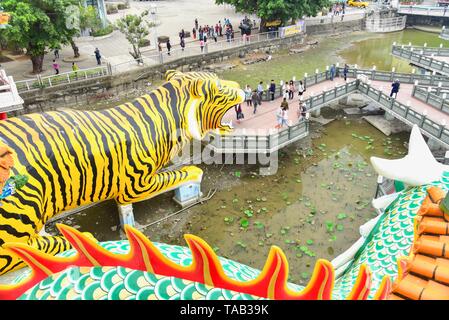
(386, 24)
(424, 11)
(444, 33)
(62, 78)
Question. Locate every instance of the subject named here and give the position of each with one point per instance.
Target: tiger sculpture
(75, 158)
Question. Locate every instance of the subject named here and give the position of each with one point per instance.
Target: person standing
(194, 33)
(202, 45)
(196, 23)
(285, 90)
(98, 56)
(272, 89)
(159, 47)
(284, 106)
(56, 67)
(279, 118)
(332, 72)
(395, 88)
(183, 44)
(168, 46)
(248, 93)
(238, 110)
(301, 90)
(291, 92)
(56, 53)
(260, 89)
(345, 72)
(255, 100)
(220, 29)
(75, 70)
(215, 34)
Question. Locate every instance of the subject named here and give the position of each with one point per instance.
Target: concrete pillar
(388, 116)
(316, 113)
(188, 194)
(343, 101)
(126, 215)
(435, 145)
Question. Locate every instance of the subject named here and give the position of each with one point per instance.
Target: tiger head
(210, 98)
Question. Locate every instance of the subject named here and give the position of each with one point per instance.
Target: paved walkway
(265, 118)
(171, 16)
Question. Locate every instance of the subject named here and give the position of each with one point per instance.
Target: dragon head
(211, 99)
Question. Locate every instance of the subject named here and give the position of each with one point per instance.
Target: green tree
(136, 30)
(89, 18)
(285, 10)
(38, 25)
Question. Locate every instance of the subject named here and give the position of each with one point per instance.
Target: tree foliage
(89, 18)
(136, 30)
(284, 10)
(37, 25)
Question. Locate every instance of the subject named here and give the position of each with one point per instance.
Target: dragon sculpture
(401, 254)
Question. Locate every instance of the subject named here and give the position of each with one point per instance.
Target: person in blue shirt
(395, 88)
(272, 89)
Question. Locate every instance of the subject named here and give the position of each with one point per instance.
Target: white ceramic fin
(417, 168)
(383, 202)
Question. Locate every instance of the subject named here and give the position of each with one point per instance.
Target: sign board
(293, 29)
(4, 19)
(274, 23)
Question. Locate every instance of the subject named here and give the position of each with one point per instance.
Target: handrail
(421, 60)
(432, 99)
(62, 78)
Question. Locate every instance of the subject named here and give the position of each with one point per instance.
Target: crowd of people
(207, 32)
(253, 98)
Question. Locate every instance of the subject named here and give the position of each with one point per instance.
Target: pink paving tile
(265, 117)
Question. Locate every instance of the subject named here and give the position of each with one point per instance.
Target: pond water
(313, 207)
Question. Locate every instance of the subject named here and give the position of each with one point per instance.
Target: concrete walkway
(265, 117)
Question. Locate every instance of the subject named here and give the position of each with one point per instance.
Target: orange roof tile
(427, 272)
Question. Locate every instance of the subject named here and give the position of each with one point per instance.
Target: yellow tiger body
(75, 158)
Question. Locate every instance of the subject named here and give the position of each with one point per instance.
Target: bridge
(432, 11)
(432, 59)
(257, 133)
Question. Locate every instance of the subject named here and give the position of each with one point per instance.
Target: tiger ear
(171, 74)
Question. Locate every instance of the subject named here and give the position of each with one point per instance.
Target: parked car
(358, 3)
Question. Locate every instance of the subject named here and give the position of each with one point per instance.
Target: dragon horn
(404, 169)
(362, 285)
(384, 289)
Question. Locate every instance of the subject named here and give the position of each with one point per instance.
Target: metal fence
(63, 78)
